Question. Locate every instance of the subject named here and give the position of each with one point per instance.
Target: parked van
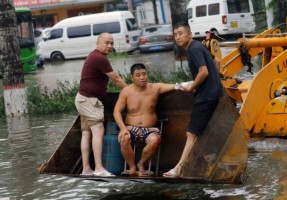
(76, 37)
(224, 17)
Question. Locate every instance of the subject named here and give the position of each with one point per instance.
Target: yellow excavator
(264, 98)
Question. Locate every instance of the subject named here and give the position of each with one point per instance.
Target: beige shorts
(91, 110)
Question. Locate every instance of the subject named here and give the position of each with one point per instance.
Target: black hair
(137, 66)
(182, 24)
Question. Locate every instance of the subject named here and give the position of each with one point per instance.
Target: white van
(224, 17)
(76, 37)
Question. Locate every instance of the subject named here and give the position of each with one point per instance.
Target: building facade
(48, 12)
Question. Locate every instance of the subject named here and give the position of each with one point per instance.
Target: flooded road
(162, 62)
(23, 152)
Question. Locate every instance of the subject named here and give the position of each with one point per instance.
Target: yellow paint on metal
(259, 96)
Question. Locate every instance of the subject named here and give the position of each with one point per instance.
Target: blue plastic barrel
(113, 160)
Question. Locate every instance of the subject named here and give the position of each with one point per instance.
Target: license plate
(234, 24)
(156, 48)
(135, 38)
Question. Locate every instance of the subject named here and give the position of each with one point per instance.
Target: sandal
(128, 173)
(145, 173)
(171, 174)
(104, 173)
(89, 174)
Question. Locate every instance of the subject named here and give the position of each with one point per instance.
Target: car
(40, 33)
(156, 38)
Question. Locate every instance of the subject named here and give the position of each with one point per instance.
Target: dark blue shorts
(201, 114)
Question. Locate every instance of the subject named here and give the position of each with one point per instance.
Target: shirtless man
(139, 99)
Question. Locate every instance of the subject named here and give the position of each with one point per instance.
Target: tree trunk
(155, 11)
(15, 93)
(178, 11)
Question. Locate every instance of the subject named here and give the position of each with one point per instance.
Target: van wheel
(57, 56)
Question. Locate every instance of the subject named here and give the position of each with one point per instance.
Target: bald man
(95, 76)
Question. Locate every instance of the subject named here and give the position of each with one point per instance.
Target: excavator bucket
(220, 154)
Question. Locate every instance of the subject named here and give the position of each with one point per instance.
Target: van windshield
(238, 6)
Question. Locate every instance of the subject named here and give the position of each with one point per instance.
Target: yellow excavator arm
(263, 98)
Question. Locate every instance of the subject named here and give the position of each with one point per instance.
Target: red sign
(20, 3)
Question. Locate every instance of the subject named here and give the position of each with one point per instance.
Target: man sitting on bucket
(139, 99)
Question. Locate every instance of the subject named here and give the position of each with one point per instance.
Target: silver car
(156, 38)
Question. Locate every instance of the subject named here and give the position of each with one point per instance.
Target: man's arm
(201, 76)
(118, 109)
(116, 79)
(164, 87)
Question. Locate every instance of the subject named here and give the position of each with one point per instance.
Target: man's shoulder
(127, 88)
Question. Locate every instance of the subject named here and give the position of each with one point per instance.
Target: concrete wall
(145, 13)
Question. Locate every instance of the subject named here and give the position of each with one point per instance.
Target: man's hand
(122, 134)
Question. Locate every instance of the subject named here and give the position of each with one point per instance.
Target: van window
(131, 24)
(238, 6)
(112, 27)
(56, 33)
(79, 31)
(200, 11)
(213, 9)
(189, 13)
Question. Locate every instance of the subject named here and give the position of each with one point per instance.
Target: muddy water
(22, 152)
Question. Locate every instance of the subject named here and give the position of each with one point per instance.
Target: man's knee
(125, 142)
(190, 135)
(153, 140)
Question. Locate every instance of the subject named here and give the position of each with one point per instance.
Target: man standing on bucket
(206, 86)
(95, 76)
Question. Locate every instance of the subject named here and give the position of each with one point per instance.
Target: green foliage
(41, 100)
(61, 99)
(275, 5)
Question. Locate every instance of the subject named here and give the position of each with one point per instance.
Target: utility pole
(15, 93)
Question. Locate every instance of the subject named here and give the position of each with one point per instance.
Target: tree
(279, 8)
(15, 94)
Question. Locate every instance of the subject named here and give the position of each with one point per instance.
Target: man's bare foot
(140, 168)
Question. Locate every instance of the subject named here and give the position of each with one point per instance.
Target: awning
(46, 4)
